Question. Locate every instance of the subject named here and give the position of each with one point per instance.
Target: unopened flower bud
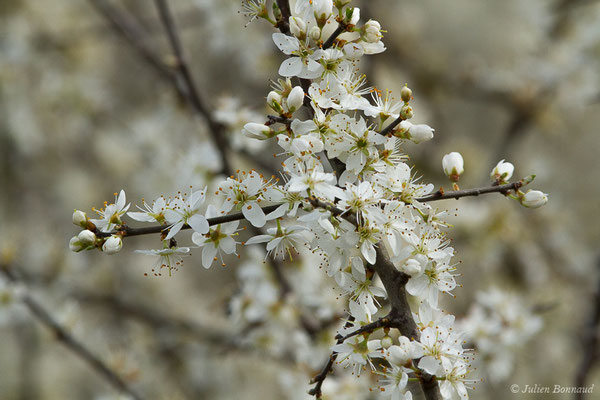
(273, 97)
(274, 101)
(416, 133)
(534, 199)
(257, 131)
(406, 94)
(298, 27)
(352, 16)
(295, 99)
(406, 112)
(322, 10)
(453, 165)
(75, 245)
(113, 245)
(412, 267)
(86, 237)
(314, 33)
(502, 172)
(387, 342)
(79, 218)
(371, 31)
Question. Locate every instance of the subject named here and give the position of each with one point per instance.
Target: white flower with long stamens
(455, 379)
(110, 216)
(186, 211)
(353, 85)
(438, 345)
(362, 290)
(437, 277)
(254, 9)
(304, 61)
(281, 240)
(244, 194)
(315, 183)
(384, 106)
(168, 257)
(394, 383)
(153, 213)
(218, 238)
(357, 352)
(359, 198)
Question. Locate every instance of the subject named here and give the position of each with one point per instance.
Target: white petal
(258, 239)
(198, 223)
(368, 251)
(286, 43)
(254, 214)
(174, 230)
(227, 245)
(208, 255)
(291, 67)
(429, 364)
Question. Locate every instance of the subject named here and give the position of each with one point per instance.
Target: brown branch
(125, 230)
(40, 313)
(331, 39)
(456, 194)
(380, 323)
(391, 126)
(283, 24)
(128, 29)
(322, 375)
(400, 315)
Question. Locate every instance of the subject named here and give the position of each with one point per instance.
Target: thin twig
(456, 194)
(125, 230)
(322, 375)
(391, 126)
(380, 323)
(216, 129)
(40, 313)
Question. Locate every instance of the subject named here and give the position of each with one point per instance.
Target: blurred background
(88, 106)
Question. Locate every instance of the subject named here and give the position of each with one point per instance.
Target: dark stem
(331, 39)
(125, 230)
(456, 194)
(368, 328)
(321, 376)
(391, 126)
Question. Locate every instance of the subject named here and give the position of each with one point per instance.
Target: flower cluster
(348, 195)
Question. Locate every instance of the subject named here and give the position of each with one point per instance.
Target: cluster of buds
(284, 99)
(87, 239)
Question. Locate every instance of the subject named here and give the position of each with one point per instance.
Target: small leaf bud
(406, 94)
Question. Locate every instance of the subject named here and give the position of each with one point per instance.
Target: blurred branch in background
(42, 315)
(589, 340)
